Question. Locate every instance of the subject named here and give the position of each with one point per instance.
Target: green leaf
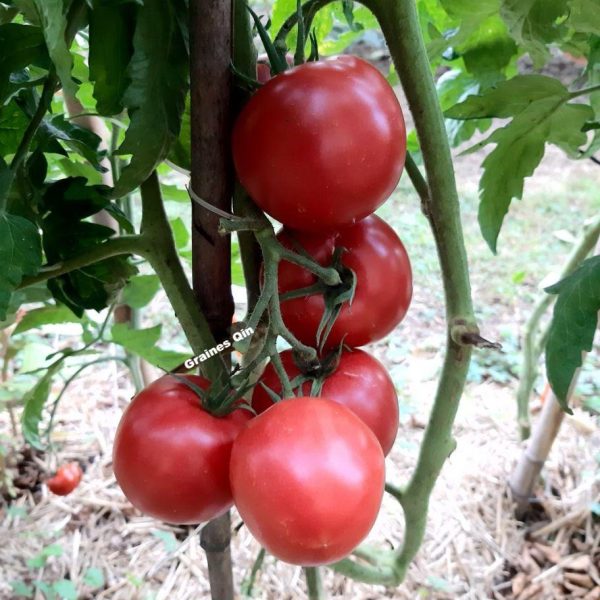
(573, 325)
(45, 315)
(20, 46)
(13, 123)
(143, 343)
(66, 203)
(464, 9)
(282, 9)
(94, 578)
(16, 512)
(453, 87)
(509, 98)
(180, 232)
(181, 150)
(66, 589)
(54, 25)
(77, 139)
(540, 115)
(155, 97)
(174, 193)
(20, 255)
(489, 50)
(40, 559)
(34, 402)
(167, 538)
(584, 16)
(140, 290)
(46, 589)
(108, 61)
(22, 589)
(534, 24)
(237, 269)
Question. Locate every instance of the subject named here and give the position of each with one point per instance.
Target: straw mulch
(474, 546)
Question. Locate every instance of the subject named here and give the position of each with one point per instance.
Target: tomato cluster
(319, 148)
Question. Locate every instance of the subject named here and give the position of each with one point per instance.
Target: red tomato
(263, 68)
(321, 145)
(263, 72)
(66, 479)
(171, 457)
(360, 382)
(383, 289)
(307, 477)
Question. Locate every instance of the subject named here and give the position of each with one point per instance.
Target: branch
(126, 244)
(162, 255)
(531, 346)
(400, 26)
(309, 10)
(419, 182)
(314, 583)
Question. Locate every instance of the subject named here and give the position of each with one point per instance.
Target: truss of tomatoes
(319, 148)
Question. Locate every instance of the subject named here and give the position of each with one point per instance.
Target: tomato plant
(359, 382)
(66, 479)
(373, 251)
(321, 145)
(171, 456)
(307, 477)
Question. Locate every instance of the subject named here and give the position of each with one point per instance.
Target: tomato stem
(314, 583)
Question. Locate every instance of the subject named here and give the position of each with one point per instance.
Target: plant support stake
(211, 86)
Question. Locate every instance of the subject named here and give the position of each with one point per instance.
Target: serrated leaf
(54, 25)
(509, 98)
(155, 98)
(66, 203)
(77, 139)
(540, 115)
(20, 255)
(573, 325)
(45, 315)
(534, 24)
(94, 578)
(142, 342)
(108, 61)
(20, 46)
(140, 290)
(33, 407)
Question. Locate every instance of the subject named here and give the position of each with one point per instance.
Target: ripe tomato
(171, 457)
(307, 477)
(321, 145)
(383, 289)
(360, 382)
(66, 479)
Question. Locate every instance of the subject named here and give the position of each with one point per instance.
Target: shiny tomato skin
(66, 479)
(307, 477)
(321, 145)
(360, 383)
(383, 290)
(171, 457)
